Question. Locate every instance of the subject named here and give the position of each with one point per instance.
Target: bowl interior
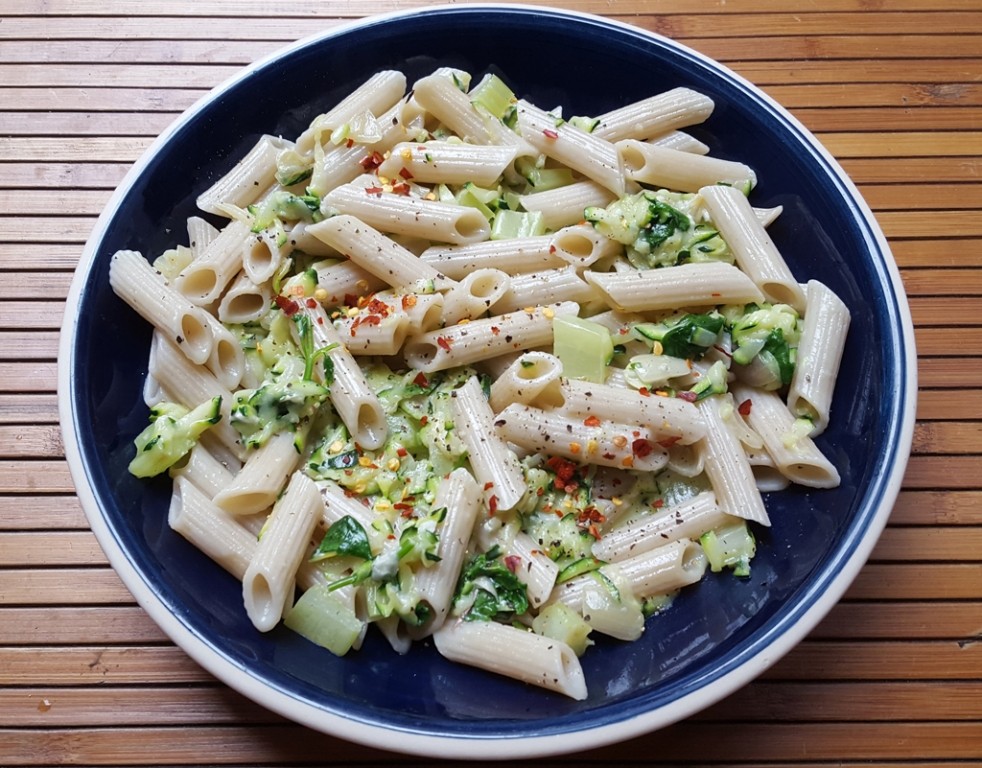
(587, 66)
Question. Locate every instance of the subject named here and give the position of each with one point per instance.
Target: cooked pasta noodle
(457, 366)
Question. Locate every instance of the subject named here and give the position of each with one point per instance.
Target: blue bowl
(718, 635)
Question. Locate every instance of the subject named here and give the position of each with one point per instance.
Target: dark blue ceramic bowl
(718, 635)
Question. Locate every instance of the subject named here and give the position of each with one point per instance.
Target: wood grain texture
(891, 677)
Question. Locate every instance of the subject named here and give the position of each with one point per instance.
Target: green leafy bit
(752, 324)
(282, 403)
(345, 537)
(660, 229)
(173, 431)
(687, 336)
(712, 382)
(489, 591)
(310, 354)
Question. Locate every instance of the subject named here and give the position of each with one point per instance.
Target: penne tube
(210, 528)
(227, 359)
(563, 206)
(467, 343)
(677, 108)
(375, 253)
(515, 653)
(511, 256)
(262, 256)
(689, 519)
(795, 455)
(381, 335)
(686, 285)
(256, 486)
(668, 168)
(752, 247)
(672, 419)
(268, 583)
(342, 163)
(474, 295)
(727, 467)
(353, 398)
(249, 178)
(406, 215)
(533, 378)
(205, 278)
(581, 245)
(495, 466)
(244, 301)
(658, 571)
(445, 162)
(586, 153)
(204, 471)
(137, 283)
(820, 348)
(200, 234)
(376, 95)
(461, 496)
(346, 280)
(550, 286)
(190, 385)
(601, 442)
(440, 96)
(681, 141)
(533, 568)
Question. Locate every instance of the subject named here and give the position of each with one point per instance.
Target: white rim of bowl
(378, 736)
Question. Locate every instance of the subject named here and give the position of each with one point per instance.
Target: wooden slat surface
(893, 676)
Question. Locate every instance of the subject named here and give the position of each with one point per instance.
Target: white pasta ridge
(457, 366)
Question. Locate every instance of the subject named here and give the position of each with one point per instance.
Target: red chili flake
(594, 531)
(443, 342)
(320, 320)
(420, 380)
(311, 303)
(372, 161)
(488, 486)
(565, 473)
(744, 408)
(378, 307)
(495, 330)
(590, 515)
(512, 562)
(644, 392)
(668, 442)
(405, 509)
(549, 133)
(374, 191)
(492, 505)
(423, 420)
(641, 448)
(610, 456)
(552, 248)
(289, 306)
(350, 300)
(401, 188)
(405, 174)
(591, 421)
(401, 452)
(689, 397)
(658, 503)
